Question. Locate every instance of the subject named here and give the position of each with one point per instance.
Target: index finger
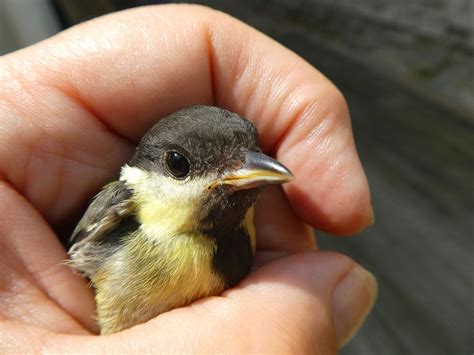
(129, 69)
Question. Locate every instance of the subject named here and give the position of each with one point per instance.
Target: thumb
(304, 303)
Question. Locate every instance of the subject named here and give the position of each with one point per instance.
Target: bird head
(200, 168)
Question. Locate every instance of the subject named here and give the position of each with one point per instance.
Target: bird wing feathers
(110, 207)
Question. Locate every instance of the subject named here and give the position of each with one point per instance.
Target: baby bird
(178, 223)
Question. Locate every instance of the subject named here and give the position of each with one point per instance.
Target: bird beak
(259, 169)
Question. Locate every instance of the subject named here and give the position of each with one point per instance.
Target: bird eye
(177, 164)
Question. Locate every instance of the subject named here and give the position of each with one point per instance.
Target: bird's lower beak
(259, 169)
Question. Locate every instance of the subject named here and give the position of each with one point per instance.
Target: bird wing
(109, 210)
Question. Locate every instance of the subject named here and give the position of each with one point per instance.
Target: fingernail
(352, 300)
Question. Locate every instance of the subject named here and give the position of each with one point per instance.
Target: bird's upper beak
(259, 169)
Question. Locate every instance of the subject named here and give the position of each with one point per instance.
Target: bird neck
(234, 251)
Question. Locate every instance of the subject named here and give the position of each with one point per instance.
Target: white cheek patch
(132, 176)
(166, 206)
(142, 181)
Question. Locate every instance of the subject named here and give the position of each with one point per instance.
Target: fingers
(278, 228)
(315, 301)
(36, 288)
(307, 303)
(122, 72)
(302, 118)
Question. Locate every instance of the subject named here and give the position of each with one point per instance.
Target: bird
(177, 224)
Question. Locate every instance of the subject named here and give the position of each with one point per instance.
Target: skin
(72, 109)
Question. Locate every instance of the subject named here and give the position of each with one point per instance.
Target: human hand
(72, 109)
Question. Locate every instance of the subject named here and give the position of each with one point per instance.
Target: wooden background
(407, 71)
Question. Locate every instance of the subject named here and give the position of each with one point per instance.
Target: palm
(72, 110)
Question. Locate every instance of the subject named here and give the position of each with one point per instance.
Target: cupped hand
(73, 107)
